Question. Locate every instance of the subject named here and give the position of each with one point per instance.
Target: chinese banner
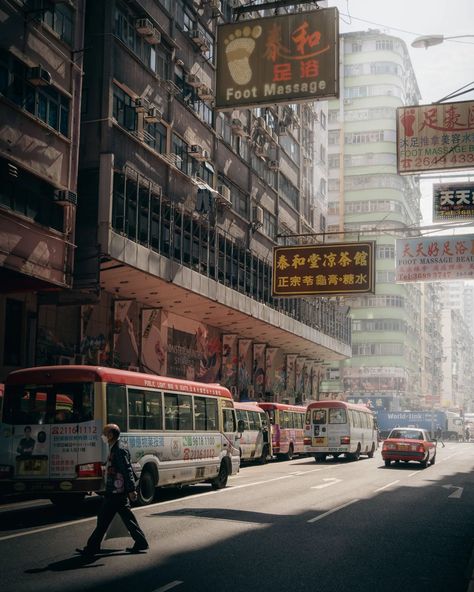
(299, 374)
(453, 201)
(290, 374)
(245, 385)
(286, 58)
(435, 137)
(427, 259)
(307, 379)
(259, 369)
(230, 358)
(275, 372)
(333, 268)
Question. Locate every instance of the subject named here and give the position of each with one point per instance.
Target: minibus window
(319, 416)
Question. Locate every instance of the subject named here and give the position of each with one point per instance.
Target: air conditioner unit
(142, 105)
(274, 165)
(193, 80)
(224, 193)
(65, 197)
(237, 128)
(144, 26)
(199, 153)
(175, 160)
(153, 115)
(153, 38)
(39, 76)
(205, 93)
(199, 40)
(171, 87)
(257, 215)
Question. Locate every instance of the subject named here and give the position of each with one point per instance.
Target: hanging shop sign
(286, 58)
(334, 268)
(453, 201)
(427, 259)
(435, 137)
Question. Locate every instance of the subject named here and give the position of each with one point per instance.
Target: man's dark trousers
(112, 504)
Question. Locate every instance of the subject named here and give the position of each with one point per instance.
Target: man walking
(119, 491)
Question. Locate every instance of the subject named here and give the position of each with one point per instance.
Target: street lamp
(430, 40)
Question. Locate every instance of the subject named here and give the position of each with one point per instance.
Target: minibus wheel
(146, 488)
(371, 453)
(289, 454)
(221, 480)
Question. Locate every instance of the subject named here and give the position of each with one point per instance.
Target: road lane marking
(414, 473)
(330, 481)
(388, 485)
(456, 494)
(333, 510)
(169, 586)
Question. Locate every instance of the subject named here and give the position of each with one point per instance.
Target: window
(180, 148)
(289, 191)
(319, 416)
(60, 18)
(123, 109)
(229, 422)
(337, 415)
(117, 405)
(145, 410)
(269, 224)
(205, 413)
(156, 137)
(178, 412)
(384, 44)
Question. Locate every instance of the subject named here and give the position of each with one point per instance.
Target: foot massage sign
(280, 59)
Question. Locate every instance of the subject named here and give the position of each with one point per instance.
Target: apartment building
(179, 207)
(369, 200)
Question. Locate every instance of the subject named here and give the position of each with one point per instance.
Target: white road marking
(332, 511)
(414, 473)
(330, 481)
(169, 586)
(388, 485)
(305, 472)
(456, 494)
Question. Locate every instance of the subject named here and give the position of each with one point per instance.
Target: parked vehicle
(452, 424)
(254, 442)
(409, 444)
(287, 428)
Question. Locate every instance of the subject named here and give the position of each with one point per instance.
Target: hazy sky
(439, 70)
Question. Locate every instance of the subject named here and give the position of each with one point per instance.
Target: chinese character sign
(278, 59)
(427, 259)
(435, 137)
(453, 201)
(333, 268)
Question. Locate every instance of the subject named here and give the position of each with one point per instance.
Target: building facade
(369, 200)
(179, 207)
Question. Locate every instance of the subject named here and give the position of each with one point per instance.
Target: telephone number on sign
(427, 161)
(428, 276)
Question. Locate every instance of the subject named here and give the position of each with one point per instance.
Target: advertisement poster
(435, 258)
(307, 377)
(153, 349)
(275, 372)
(453, 201)
(126, 326)
(245, 385)
(291, 374)
(259, 369)
(230, 360)
(299, 381)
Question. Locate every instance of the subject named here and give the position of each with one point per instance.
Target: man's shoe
(87, 552)
(136, 549)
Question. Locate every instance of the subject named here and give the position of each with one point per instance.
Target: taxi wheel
(424, 463)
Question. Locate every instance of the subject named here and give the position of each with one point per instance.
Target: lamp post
(430, 40)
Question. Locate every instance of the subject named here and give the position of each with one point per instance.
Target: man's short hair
(113, 429)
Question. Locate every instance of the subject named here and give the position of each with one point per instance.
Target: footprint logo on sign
(239, 46)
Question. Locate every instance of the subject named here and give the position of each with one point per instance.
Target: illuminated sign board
(333, 268)
(428, 259)
(286, 58)
(453, 201)
(435, 137)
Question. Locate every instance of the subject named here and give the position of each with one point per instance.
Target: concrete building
(179, 208)
(41, 51)
(369, 200)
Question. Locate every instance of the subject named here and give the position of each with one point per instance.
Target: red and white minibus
(255, 439)
(287, 428)
(177, 431)
(335, 428)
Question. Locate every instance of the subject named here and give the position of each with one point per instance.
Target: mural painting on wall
(274, 373)
(245, 385)
(94, 347)
(153, 351)
(299, 380)
(315, 381)
(230, 359)
(51, 349)
(193, 349)
(126, 327)
(291, 374)
(259, 369)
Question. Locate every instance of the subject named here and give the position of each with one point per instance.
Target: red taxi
(409, 444)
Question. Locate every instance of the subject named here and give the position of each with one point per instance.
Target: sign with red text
(334, 268)
(286, 58)
(453, 201)
(428, 259)
(435, 137)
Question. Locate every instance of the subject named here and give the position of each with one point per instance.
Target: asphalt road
(286, 526)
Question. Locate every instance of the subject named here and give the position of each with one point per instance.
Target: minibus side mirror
(240, 425)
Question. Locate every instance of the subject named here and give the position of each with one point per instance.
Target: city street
(293, 525)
